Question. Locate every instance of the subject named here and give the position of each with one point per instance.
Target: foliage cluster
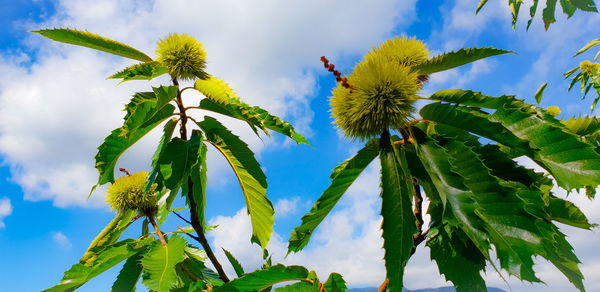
(458, 154)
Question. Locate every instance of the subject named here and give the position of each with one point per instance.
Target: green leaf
(147, 107)
(159, 264)
(108, 236)
(567, 7)
(129, 275)
(396, 209)
(474, 121)
(107, 258)
(256, 117)
(251, 177)
(461, 57)
(590, 45)
(540, 92)
(480, 5)
(514, 6)
(168, 130)
(262, 279)
(335, 283)
(94, 41)
(215, 89)
(142, 71)
(144, 113)
(585, 5)
(239, 270)
(532, 10)
(573, 163)
(567, 213)
(489, 209)
(341, 179)
(583, 126)
(298, 287)
(197, 178)
(548, 13)
(458, 260)
(177, 158)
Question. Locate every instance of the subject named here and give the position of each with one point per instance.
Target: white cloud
(5, 210)
(61, 239)
(58, 110)
(286, 207)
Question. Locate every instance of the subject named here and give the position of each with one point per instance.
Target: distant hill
(441, 289)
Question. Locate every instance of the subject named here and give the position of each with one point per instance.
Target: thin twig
(160, 235)
(181, 217)
(418, 205)
(384, 286)
(201, 238)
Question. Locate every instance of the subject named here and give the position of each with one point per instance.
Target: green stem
(201, 238)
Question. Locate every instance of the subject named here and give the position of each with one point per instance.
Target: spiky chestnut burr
(127, 193)
(183, 55)
(384, 88)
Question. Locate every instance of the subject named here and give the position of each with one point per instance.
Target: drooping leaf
(142, 71)
(532, 11)
(458, 260)
(250, 176)
(566, 212)
(335, 283)
(159, 264)
(196, 184)
(107, 258)
(341, 179)
(490, 210)
(168, 130)
(461, 57)
(514, 6)
(398, 224)
(480, 5)
(129, 275)
(237, 267)
(540, 92)
(262, 279)
(567, 7)
(256, 117)
(94, 41)
(589, 45)
(548, 13)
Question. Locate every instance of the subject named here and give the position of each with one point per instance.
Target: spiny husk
(384, 88)
(183, 55)
(127, 193)
(553, 110)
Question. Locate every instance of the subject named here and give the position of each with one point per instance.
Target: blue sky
(56, 107)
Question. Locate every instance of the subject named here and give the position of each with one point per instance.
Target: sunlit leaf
(94, 41)
(159, 264)
(341, 179)
(250, 176)
(398, 226)
(461, 57)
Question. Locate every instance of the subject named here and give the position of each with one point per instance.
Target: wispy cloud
(61, 239)
(5, 210)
